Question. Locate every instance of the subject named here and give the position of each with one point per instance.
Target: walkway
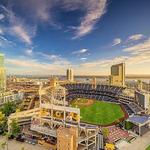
(141, 143)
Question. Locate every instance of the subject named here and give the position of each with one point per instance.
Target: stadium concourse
(107, 93)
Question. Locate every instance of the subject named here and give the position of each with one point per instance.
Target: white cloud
(29, 52)
(83, 58)
(81, 51)
(139, 48)
(33, 66)
(136, 37)
(139, 58)
(22, 63)
(5, 42)
(116, 41)
(37, 10)
(18, 28)
(95, 10)
(55, 59)
(21, 33)
(2, 16)
(40, 9)
(48, 56)
(1, 31)
(139, 53)
(45, 64)
(104, 62)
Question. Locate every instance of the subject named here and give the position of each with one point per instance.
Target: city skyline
(47, 37)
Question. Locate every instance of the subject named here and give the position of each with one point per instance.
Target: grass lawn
(148, 148)
(101, 113)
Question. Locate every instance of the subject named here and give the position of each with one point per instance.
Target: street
(15, 145)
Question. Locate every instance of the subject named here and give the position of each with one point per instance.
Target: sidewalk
(141, 143)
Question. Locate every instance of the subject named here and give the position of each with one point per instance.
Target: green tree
(3, 145)
(105, 132)
(3, 122)
(128, 125)
(9, 108)
(14, 128)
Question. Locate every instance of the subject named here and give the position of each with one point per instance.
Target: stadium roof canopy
(139, 120)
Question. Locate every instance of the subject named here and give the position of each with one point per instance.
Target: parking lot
(15, 145)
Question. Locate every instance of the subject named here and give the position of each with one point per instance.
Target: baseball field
(98, 112)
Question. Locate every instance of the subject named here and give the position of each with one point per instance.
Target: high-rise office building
(2, 73)
(117, 76)
(143, 99)
(54, 82)
(70, 75)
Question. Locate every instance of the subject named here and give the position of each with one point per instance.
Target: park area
(98, 112)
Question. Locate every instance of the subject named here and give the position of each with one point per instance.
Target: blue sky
(47, 36)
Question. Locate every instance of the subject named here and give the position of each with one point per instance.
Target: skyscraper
(2, 73)
(70, 76)
(142, 98)
(117, 76)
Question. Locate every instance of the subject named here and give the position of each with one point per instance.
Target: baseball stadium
(82, 110)
(102, 105)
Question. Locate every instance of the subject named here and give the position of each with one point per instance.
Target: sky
(45, 37)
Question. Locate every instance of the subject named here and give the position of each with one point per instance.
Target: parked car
(20, 138)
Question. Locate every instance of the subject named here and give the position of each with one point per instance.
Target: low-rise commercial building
(10, 97)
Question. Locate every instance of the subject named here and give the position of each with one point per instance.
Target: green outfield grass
(100, 113)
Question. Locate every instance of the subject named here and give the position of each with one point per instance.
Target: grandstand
(113, 94)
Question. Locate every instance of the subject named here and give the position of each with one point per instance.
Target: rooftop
(139, 119)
